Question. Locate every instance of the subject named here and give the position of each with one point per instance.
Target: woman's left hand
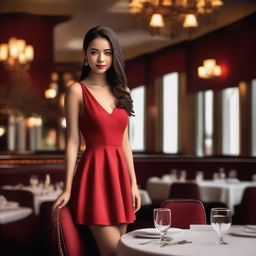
(136, 200)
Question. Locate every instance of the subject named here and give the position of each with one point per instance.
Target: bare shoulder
(127, 89)
(74, 89)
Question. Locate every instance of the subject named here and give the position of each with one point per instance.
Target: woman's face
(99, 55)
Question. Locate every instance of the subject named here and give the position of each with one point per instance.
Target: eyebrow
(98, 50)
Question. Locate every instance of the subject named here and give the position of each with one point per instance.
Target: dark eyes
(95, 52)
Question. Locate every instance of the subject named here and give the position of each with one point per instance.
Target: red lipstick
(101, 66)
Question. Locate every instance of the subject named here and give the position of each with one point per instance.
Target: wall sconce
(16, 54)
(53, 88)
(209, 69)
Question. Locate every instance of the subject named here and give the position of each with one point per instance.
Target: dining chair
(185, 212)
(245, 212)
(25, 198)
(73, 240)
(184, 190)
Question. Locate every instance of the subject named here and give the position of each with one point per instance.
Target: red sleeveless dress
(101, 189)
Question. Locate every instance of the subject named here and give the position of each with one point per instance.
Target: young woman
(103, 190)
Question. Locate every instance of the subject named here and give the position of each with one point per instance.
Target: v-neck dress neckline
(97, 102)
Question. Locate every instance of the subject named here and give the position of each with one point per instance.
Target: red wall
(38, 31)
(234, 48)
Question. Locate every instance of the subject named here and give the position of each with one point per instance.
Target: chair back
(247, 208)
(185, 190)
(73, 240)
(25, 198)
(185, 212)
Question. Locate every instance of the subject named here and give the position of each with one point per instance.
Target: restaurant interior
(190, 67)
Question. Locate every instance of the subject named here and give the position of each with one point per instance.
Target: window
(253, 116)
(136, 123)
(230, 121)
(170, 112)
(204, 123)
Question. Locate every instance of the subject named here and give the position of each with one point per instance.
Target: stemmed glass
(221, 221)
(33, 180)
(162, 221)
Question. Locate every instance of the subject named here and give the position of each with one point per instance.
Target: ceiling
(85, 14)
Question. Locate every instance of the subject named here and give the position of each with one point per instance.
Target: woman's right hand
(60, 202)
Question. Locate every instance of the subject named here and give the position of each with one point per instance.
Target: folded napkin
(3, 200)
(7, 205)
(201, 228)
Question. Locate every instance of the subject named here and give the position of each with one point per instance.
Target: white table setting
(220, 189)
(219, 238)
(42, 191)
(11, 211)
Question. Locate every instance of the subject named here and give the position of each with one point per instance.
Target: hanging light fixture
(172, 17)
(190, 21)
(16, 54)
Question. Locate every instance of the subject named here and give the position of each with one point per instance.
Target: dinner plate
(9, 205)
(245, 232)
(154, 233)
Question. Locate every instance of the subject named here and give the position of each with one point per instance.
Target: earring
(85, 62)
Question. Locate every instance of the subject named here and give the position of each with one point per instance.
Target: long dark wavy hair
(115, 75)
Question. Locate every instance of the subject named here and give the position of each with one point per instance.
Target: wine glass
(33, 180)
(162, 221)
(221, 222)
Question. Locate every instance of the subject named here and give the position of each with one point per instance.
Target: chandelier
(172, 17)
(16, 54)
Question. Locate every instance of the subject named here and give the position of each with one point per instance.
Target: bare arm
(72, 143)
(130, 164)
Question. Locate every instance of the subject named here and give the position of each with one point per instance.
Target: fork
(176, 243)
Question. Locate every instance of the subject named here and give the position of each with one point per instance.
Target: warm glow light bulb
(157, 21)
(38, 121)
(217, 3)
(209, 63)
(202, 72)
(22, 58)
(135, 6)
(3, 51)
(63, 123)
(2, 130)
(217, 70)
(190, 21)
(31, 122)
(21, 45)
(29, 52)
(50, 93)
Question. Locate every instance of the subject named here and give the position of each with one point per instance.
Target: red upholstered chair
(186, 190)
(245, 213)
(185, 212)
(73, 240)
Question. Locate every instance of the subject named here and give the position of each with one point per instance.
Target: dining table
(198, 240)
(40, 195)
(229, 191)
(8, 215)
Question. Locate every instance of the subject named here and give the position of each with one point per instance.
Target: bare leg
(107, 238)
(123, 228)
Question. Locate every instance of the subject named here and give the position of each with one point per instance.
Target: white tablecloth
(203, 243)
(145, 198)
(210, 191)
(39, 195)
(11, 215)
